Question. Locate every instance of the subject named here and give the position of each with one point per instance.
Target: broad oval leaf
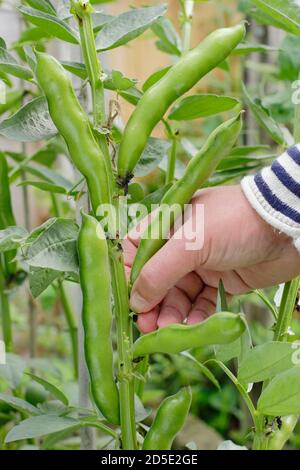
(201, 105)
(245, 48)
(284, 12)
(38, 426)
(266, 360)
(282, 396)
(56, 392)
(40, 279)
(264, 119)
(99, 19)
(10, 238)
(52, 24)
(44, 186)
(8, 64)
(169, 41)
(128, 26)
(31, 123)
(42, 5)
(53, 246)
(19, 404)
(77, 68)
(155, 77)
(155, 151)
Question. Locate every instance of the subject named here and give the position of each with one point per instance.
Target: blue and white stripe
(274, 193)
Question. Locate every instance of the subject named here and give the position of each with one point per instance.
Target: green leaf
(169, 40)
(241, 163)
(55, 437)
(201, 105)
(13, 370)
(264, 119)
(285, 12)
(77, 68)
(12, 99)
(49, 176)
(10, 238)
(19, 404)
(40, 279)
(31, 36)
(56, 392)
(246, 48)
(30, 124)
(222, 305)
(53, 246)
(117, 81)
(155, 77)
(52, 24)
(99, 19)
(155, 150)
(154, 198)
(132, 95)
(288, 58)
(39, 426)
(127, 26)
(42, 5)
(204, 370)
(282, 396)
(267, 360)
(8, 64)
(249, 149)
(44, 186)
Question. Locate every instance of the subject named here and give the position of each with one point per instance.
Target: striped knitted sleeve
(274, 193)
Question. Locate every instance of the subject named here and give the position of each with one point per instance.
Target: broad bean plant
(120, 172)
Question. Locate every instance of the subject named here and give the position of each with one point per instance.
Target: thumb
(172, 262)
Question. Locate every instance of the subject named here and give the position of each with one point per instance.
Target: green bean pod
(178, 80)
(97, 316)
(169, 420)
(7, 218)
(220, 328)
(199, 169)
(74, 126)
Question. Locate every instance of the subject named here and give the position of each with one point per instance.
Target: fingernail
(137, 303)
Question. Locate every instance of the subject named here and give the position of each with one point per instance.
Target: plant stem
(83, 12)
(170, 175)
(287, 307)
(124, 336)
(119, 283)
(72, 324)
(5, 314)
(187, 9)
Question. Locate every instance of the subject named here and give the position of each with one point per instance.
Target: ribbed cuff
(274, 193)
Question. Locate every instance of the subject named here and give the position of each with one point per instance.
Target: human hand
(239, 247)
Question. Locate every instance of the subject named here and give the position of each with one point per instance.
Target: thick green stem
(124, 338)
(119, 283)
(5, 314)
(72, 324)
(170, 175)
(287, 307)
(82, 10)
(187, 9)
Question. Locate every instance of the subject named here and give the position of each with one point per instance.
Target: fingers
(147, 322)
(204, 306)
(175, 308)
(171, 263)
